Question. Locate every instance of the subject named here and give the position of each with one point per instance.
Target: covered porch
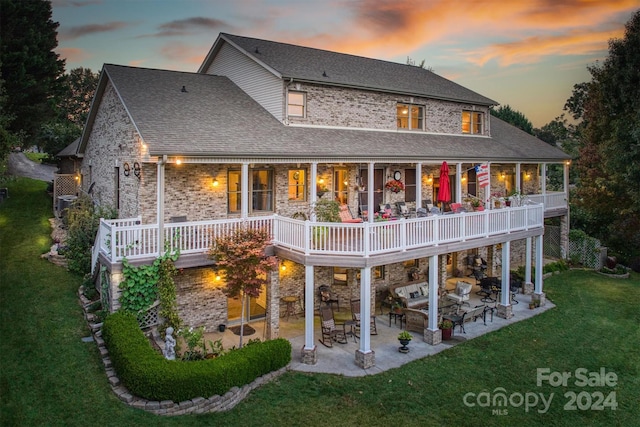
(340, 358)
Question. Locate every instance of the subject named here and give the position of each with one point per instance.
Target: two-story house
(264, 130)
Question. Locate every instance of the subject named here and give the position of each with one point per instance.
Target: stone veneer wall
(112, 143)
(336, 106)
(200, 299)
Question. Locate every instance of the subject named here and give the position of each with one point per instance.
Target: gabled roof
(301, 63)
(70, 150)
(215, 118)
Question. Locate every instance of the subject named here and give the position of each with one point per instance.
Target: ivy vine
(144, 284)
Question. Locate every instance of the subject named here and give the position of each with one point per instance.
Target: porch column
(272, 318)
(565, 220)
(538, 295)
(543, 180)
(309, 351)
(433, 334)
(527, 285)
(365, 357)
(458, 182)
(370, 186)
(244, 194)
(487, 190)
(418, 185)
(160, 206)
(518, 178)
(314, 189)
(505, 310)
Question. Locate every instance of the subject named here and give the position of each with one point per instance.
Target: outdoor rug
(248, 330)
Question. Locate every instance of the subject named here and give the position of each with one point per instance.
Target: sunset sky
(525, 53)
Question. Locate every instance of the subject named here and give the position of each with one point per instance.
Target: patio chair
(355, 315)
(486, 290)
(461, 293)
(364, 212)
(427, 204)
(455, 207)
(345, 215)
(435, 211)
(331, 331)
(403, 210)
(327, 297)
(421, 213)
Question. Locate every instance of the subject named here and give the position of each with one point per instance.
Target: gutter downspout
(160, 206)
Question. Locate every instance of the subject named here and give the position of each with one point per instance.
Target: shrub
(83, 220)
(147, 374)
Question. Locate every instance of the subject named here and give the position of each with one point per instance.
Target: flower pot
(507, 202)
(222, 327)
(404, 348)
(446, 334)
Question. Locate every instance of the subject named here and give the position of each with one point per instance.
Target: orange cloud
(533, 49)
(383, 28)
(178, 52)
(73, 54)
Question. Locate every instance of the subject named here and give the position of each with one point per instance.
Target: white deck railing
(552, 200)
(127, 238)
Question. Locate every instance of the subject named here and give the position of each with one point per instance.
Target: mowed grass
(49, 377)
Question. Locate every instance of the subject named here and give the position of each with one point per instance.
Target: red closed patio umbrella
(444, 193)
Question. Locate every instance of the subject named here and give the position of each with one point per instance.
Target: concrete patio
(340, 359)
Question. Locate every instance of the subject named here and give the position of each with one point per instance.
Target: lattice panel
(151, 317)
(64, 185)
(588, 251)
(551, 242)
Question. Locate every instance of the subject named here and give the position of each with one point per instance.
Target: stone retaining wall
(197, 405)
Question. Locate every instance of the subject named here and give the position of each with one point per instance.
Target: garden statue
(169, 345)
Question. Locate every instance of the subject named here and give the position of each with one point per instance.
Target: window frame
(270, 191)
(302, 106)
(420, 118)
(475, 123)
(300, 187)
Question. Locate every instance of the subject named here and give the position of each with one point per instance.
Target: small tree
(241, 256)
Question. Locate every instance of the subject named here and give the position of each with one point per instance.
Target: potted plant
(477, 205)
(446, 326)
(404, 337)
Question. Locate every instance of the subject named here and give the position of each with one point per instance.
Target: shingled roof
(212, 117)
(322, 66)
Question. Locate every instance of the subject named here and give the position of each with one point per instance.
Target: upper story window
(472, 122)
(296, 104)
(410, 116)
(297, 185)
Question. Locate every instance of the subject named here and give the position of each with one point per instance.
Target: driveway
(19, 165)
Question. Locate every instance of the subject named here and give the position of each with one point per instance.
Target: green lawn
(48, 376)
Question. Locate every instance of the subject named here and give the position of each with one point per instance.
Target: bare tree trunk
(242, 318)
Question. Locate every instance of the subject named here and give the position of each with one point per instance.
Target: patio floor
(340, 359)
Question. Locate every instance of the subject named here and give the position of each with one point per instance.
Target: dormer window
(296, 104)
(472, 122)
(410, 116)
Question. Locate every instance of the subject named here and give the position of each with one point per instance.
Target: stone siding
(356, 108)
(112, 143)
(200, 299)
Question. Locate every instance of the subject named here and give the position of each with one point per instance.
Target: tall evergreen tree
(609, 162)
(516, 118)
(32, 71)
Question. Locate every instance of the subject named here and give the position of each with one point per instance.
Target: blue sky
(525, 53)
